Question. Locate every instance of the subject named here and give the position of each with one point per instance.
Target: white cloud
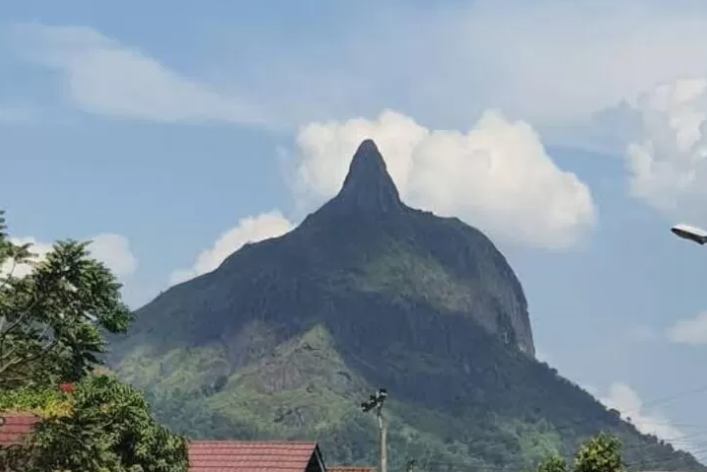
(105, 77)
(111, 249)
(114, 251)
(548, 62)
(626, 401)
(541, 61)
(542, 356)
(496, 176)
(692, 331)
(667, 155)
(249, 230)
(38, 249)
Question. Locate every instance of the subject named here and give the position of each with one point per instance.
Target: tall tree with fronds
(54, 312)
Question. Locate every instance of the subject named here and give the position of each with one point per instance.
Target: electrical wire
(570, 425)
(662, 400)
(448, 467)
(522, 466)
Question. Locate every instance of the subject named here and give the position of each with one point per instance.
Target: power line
(433, 466)
(579, 422)
(670, 398)
(522, 466)
(626, 414)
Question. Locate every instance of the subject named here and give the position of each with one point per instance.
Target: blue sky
(573, 135)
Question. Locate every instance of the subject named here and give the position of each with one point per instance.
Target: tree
(53, 317)
(553, 464)
(52, 320)
(96, 425)
(600, 454)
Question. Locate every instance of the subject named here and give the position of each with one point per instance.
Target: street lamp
(691, 233)
(375, 402)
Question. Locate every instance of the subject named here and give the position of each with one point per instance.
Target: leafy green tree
(599, 454)
(553, 464)
(52, 320)
(96, 425)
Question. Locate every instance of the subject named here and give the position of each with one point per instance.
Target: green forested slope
(289, 335)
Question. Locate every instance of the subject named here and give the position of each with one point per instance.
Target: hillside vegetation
(289, 335)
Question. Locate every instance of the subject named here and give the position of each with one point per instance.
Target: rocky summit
(289, 335)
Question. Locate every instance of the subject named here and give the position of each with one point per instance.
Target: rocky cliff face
(363, 246)
(446, 260)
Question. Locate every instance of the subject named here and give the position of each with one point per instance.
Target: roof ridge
(242, 456)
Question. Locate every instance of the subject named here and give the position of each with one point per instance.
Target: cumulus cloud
(496, 176)
(105, 77)
(626, 401)
(692, 331)
(249, 230)
(114, 251)
(667, 157)
(111, 249)
(38, 249)
(543, 356)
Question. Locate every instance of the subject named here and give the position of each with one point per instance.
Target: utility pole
(376, 402)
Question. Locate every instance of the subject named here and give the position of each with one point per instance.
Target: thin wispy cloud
(690, 331)
(102, 76)
(545, 62)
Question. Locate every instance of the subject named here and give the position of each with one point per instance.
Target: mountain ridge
(288, 335)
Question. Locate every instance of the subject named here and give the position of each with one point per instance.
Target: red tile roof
(15, 426)
(341, 468)
(242, 456)
(206, 456)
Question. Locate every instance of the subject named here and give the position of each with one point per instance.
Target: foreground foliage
(100, 424)
(54, 314)
(52, 318)
(490, 433)
(600, 454)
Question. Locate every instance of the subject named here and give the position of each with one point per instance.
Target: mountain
(289, 335)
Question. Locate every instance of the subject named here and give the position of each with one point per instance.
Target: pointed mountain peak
(368, 186)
